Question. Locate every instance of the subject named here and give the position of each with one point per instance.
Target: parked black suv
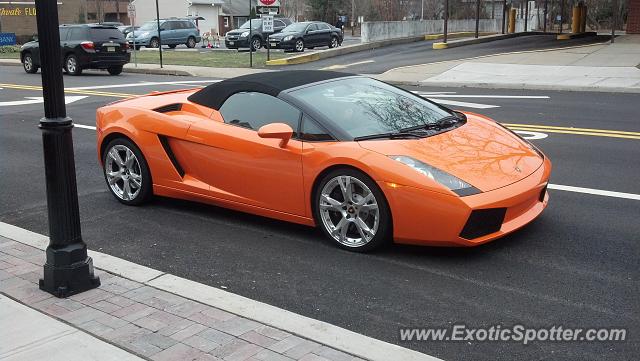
(239, 38)
(85, 46)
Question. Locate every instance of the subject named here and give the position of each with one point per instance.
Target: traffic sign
(270, 2)
(267, 23)
(131, 10)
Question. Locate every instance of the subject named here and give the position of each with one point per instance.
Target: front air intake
(482, 222)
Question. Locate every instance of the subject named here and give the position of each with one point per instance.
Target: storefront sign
(7, 39)
(21, 11)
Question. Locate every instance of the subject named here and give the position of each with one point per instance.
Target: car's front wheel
(71, 65)
(154, 43)
(256, 43)
(299, 47)
(126, 172)
(352, 211)
(27, 63)
(334, 42)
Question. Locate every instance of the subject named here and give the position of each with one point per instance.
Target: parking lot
(576, 265)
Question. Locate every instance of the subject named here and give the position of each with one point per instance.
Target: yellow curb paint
(438, 46)
(299, 59)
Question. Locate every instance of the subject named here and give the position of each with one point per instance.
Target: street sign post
(267, 28)
(131, 10)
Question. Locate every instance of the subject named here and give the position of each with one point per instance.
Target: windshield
(149, 25)
(364, 106)
(104, 34)
(257, 23)
(295, 28)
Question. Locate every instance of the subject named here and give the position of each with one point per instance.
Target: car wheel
(191, 42)
(334, 42)
(27, 63)
(352, 211)
(126, 172)
(172, 46)
(154, 43)
(299, 45)
(71, 65)
(256, 43)
(115, 70)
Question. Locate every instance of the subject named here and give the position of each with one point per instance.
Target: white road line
(148, 83)
(347, 65)
(489, 96)
(598, 192)
(464, 104)
(559, 187)
(84, 126)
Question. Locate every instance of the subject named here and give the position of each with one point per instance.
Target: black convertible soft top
(272, 83)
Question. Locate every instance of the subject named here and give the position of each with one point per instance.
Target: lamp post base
(68, 271)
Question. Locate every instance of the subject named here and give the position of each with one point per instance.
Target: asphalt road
(576, 266)
(379, 60)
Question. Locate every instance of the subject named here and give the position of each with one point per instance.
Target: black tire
(27, 64)
(154, 43)
(334, 42)
(172, 46)
(256, 43)
(71, 65)
(383, 234)
(191, 42)
(146, 190)
(299, 47)
(115, 70)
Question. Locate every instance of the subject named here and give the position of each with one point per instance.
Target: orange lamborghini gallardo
(367, 162)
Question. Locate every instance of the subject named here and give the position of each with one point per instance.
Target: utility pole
(353, 17)
(544, 26)
(249, 38)
(421, 10)
(614, 20)
(477, 17)
(446, 19)
(68, 270)
(159, 32)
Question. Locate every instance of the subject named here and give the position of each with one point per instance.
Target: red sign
(267, 2)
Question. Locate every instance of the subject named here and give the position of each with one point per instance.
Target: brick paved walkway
(152, 323)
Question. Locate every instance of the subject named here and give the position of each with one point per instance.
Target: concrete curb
(576, 35)
(461, 34)
(485, 39)
(325, 333)
(10, 62)
(342, 50)
(158, 71)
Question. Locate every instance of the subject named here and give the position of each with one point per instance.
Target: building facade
(19, 17)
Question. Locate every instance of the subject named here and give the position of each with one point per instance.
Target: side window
(312, 27)
(324, 27)
(76, 34)
(63, 33)
(166, 25)
(253, 110)
(189, 25)
(312, 131)
(278, 24)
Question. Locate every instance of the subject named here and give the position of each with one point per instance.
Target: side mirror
(34, 37)
(278, 131)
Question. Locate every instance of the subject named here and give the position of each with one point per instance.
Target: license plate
(274, 44)
(231, 42)
(111, 49)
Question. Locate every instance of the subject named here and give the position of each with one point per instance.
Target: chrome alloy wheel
(28, 63)
(71, 64)
(123, 172)
(299, 45)
(349, 211)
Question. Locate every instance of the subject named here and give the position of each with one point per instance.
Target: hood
(279, 35)
(480, 152)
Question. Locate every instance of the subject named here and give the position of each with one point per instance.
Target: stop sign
(267, 2)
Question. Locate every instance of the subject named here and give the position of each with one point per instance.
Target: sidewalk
(141, 313)
(601, 67)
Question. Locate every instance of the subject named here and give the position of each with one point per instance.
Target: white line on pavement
(147, 83)
(465, 104)
(347, 65)
(559, 187)
(598, 192)
(488, 96)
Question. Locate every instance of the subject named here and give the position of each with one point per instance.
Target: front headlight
(287, 38)
(453, 183)
(244, 35)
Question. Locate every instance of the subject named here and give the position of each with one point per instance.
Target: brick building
(633, 18)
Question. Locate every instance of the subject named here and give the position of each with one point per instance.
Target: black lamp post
(68, 270)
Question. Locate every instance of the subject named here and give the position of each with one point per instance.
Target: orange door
(240, 166)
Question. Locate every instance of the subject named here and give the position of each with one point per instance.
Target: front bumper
(235, 43)
(279, 44)
(429, 218)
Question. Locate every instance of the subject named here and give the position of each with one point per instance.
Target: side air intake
(169, 108)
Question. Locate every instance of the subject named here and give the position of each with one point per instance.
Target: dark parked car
(86, 46)
(239, 38)
(308, 34)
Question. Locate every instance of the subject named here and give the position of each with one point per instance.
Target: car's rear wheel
(115, 70)
(299, 47)
(154, 43)
(352, 211)
(256, 43)
(71, 65)
(191, 42)
(334, 42)
(27, 63)
(126, 172)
